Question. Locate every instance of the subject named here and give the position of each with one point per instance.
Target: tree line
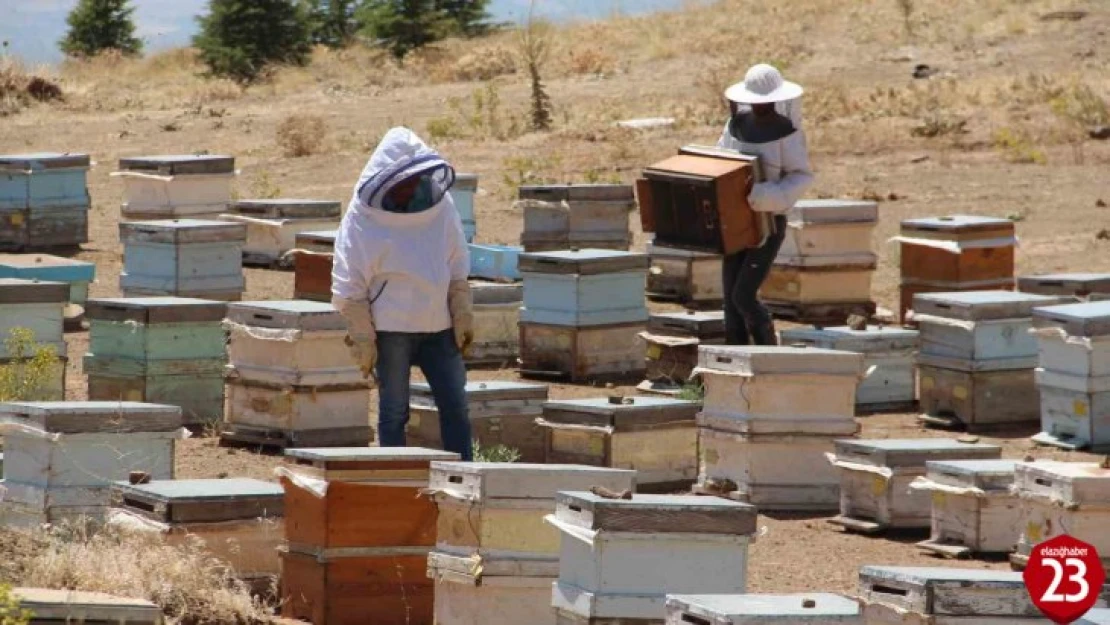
(239, 39)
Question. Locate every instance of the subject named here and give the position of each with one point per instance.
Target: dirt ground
(994, 133)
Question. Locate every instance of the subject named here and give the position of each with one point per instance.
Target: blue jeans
(442, 363)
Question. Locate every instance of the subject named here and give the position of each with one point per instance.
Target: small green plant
(28, 373)
(497, 453)
(692, 392)
(10, 612)
(1078, 104)
(1017, 147)
(478, 117)
(521, 171)
(535, 46)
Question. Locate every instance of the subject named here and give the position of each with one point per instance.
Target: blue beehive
(462, 193)
(495, 262)
(44, 200)
(584, 287)
(183, 257)
(77, 273)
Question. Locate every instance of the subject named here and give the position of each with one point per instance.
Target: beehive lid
(152, 310)
(182, 231)
(577, 192)
(913, 452)
(210, 501)
(479, 481)
(758, 359)
(871, 339)
(1095, 617)
(1078, 283)
(701, 325)
(19, 291)
(627, 412)
(370, 454)
(1087, 319)
(326, 237)
(958, 227)
(689, 165)
(465, 182)
(662, 514)
(753, 609)
(78, 417)
(946, 591)
(490, 390)
(834, 211)
(286, 315)
(43, 160)
(982, 305)
(175, 165)
(985, 474)
(45, 267)
(73, 606)
(288, 208)
(1083, 483)
(582, 262)
(495, 293)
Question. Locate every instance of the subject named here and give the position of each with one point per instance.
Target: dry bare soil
(1000, 129)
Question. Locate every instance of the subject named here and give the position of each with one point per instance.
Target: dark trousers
(439, 358)
(747, 320)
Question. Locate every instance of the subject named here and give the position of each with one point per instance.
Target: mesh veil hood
(400, 156)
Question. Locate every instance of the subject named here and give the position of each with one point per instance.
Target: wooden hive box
(282, 416)
(312, 271)
(493, 601)
(184, 257)
(1086, 355)
(501, 413)
(1058, 498)
(612, 549)
(875, 476)
(176, 186)
(239, 521)
(890, 350)
(36, 306)
(462, 194)
(892, 595)
(809, 284)
(1077, 285)
(684, 276)
(496, 309)
(62, 457)
(166, 350)
(835, 231)
(777, 384)
(58, 607)
(909, 289)
(958, 248)
(655, 436)
(973, 509)
(77, 273)
(558, 217)
(44, 201)
(584, 288)
(671, 343)
(1095, 617)
(953, 393)
(752, 609)
(495, 262)
(580, 354)
(273, 225)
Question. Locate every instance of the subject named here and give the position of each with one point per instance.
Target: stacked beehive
(501, 413)
(977, 358)
(77, 273)
(688, 277)
(974, 510)
(63, 457)
(1073, 376)
(44, 201)
(358, 535)
(495, 558)
(653, 435)
(672, 341)
(37, 307)
(183, 257)
(620, 558)
(291, 380)
(312, 267)
(824, 267)
(1081, 286)
(951, 254)
(496, 309)
(238, 521)
(801, 609)
(760, 407)
(875, 478)
(462, 195)
(1059, 498)
(273, 225)
(164, 350)
(171, 187)
(888, 353)
(582, 315)
(56, 607)
(561, 217)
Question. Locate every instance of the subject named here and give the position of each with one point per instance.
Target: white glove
(765, 198)
(361, 335)
(461, 305)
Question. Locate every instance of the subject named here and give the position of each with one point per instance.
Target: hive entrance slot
(696, 620)
(889, 590)
(138, 504)
(455, 479)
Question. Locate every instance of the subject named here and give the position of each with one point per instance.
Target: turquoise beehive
(183, 257)
(462, 193)
(77, 273)
(587, 287)
(44, 200)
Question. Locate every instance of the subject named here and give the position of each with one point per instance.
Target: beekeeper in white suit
(766, 121)
(400, 281)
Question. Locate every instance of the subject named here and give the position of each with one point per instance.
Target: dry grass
(301, 135)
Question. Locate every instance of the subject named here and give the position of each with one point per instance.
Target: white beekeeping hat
(763, 84)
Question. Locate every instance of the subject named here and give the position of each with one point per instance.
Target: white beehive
(168, 187)
(619, 558)
(1058, 498)
(297, 416)
(1077, 285)
(685, 276)
(752, 609)
(557, 217)
(35, 306)
(53, 607)
(273, 225)
(496, 322)
(974, 510)
(837, 232)
(876, 474)
(671, 346)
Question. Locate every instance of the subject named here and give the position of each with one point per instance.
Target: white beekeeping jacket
(785, 161)
(401, 264)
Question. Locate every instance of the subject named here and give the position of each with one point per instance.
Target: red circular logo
(1064, 578)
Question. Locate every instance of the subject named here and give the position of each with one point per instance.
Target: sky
(32, 28)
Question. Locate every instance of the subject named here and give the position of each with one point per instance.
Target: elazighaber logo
(1064, 578)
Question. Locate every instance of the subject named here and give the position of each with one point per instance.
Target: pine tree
(332, 22)
(469, 17)
(404, 25)
(98, 25)
(240, 38)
